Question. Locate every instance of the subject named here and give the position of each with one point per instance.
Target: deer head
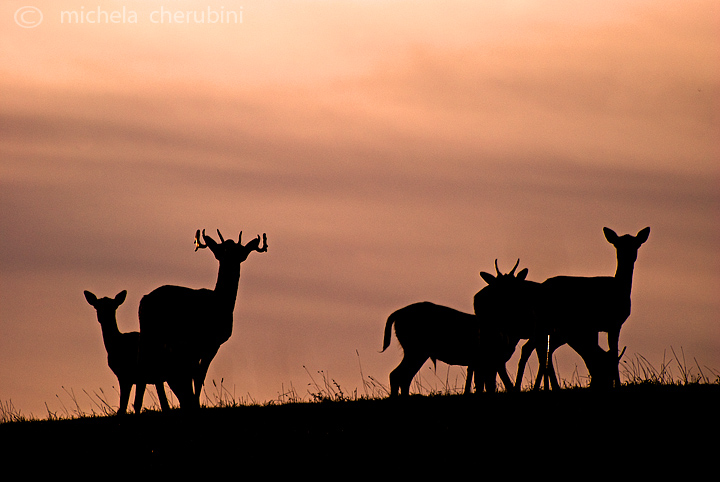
(602, 366)
(627, 245)
(490, 279)
(507, 302)
(105, 305)
(229, 249)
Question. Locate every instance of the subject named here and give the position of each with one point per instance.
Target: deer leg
(550, 372)
(597, 361)
(595, 358)
(525, 353)
(182, 387)
(542, 367)
(202, 369)
(548, 369)
(547, 364)
(505, 379)
(613, 347)
(468, 381)
(402, 376)
(552, 375)
(125, 388)
(490, 380)
(543, 353)
(139, 394)
(164, 405)
(553, 343)
(500, 359)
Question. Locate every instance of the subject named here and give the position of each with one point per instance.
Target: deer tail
(388, 330)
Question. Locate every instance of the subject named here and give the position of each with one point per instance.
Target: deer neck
(227, 283)
(624, 274)
(110, 332)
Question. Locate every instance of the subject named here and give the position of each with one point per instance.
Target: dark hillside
(643, 428)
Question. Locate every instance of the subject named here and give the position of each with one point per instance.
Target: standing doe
(426, 330)
(123, 351)
(183, 328)
(578, 308)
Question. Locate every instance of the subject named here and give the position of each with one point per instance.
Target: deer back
(124, 357)
(511, 307)
(569, 302)
(439, 332)
(182, 317)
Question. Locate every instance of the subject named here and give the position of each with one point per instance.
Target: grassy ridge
(515, 432)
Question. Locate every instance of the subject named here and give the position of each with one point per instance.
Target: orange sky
(389, 149)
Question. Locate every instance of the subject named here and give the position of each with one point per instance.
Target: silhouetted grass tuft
(674, 371)
(636, 372)
(8, 413)
(343, 429)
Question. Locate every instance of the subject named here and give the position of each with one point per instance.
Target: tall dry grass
(321, 387)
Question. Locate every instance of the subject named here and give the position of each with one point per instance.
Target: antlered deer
(509, 302)
(426, 330)
(123, 350)
(183, 328)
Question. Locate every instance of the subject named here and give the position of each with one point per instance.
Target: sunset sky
(391, 150)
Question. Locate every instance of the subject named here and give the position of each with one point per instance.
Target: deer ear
(489, 279)
(91, 298)
(610, 235)
(643, 235)
(522, 274)
(120, 297)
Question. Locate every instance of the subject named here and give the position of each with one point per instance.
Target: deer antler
(264, 246)
(220, 235)
(254, 244)
(512, 271)
(198, 244)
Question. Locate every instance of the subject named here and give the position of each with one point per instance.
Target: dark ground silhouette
(632, 431)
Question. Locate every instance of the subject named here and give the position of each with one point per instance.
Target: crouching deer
(426, 330)
(123, 350)
(601, 364)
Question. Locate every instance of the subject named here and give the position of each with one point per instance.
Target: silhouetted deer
(183, 328)
(600, 363)
(579, 307)
(509, 302)
(426, 330)
(123, 351)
